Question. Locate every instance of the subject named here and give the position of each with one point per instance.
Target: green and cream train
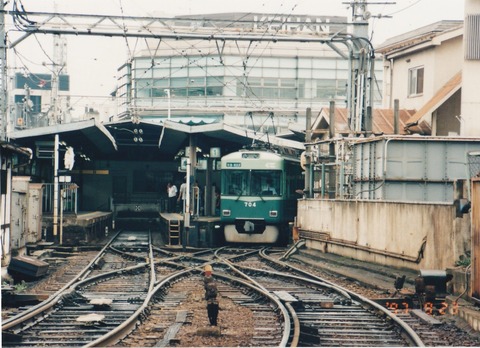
(258, 196)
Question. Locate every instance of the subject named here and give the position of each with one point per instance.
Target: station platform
(201, 234)
(83, 227)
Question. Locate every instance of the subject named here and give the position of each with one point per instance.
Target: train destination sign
(234, 164)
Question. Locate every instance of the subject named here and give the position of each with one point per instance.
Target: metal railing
(70, 197)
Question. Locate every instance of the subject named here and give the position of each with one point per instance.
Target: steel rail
(252, 284)
(321, 281)
(71, 290)
(233, 257)
(151, 261)
(170, 260)
(260, 287)
(114, 336)
(127, 254)
(412, 335)
(302, 279)
(128, 325)
(54, 298)
(296, 325)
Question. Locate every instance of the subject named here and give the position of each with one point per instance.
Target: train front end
(253, 207)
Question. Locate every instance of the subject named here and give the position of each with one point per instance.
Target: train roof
(265, 154)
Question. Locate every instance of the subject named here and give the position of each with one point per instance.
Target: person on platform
(197, 199)
(172, 197)
(217, 203)
(182, 194)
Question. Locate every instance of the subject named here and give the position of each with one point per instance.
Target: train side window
(294, 179)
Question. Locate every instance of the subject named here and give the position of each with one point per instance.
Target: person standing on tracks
(211, 293)
(207, 275)
(172, 197)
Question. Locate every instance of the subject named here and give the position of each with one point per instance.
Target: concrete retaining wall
(412, 235)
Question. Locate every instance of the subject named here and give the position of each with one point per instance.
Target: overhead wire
(20, 17)
(43, 50)
(262, 53)
(202, 55)
(23, 20)
(23, 23)
(405, 8)
(228, 25)
(130, 53)
(192, 46)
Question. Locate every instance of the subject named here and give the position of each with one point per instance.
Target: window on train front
(266, 182)
(235, 182)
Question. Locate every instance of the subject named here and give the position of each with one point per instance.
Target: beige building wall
(470, 82)
(388, 233)
(448, 58)
(441, 62)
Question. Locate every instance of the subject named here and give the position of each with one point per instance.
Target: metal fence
(474, 164)
(69, 193)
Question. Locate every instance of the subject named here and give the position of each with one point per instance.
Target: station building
(262, 85)
(184, 94)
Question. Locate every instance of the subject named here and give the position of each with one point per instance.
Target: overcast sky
(92, 62)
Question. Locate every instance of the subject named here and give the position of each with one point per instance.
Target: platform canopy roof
(165, 140)
(147, 140)
(13, 149)
(90, 136)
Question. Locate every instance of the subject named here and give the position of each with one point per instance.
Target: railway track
(136, 294)
(326, 314)
(104, 303)
(98, 299)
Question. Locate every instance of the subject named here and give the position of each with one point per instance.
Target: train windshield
(252, 182)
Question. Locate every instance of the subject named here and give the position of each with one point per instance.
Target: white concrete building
(422, 69)
(471, 70)
(263, 85)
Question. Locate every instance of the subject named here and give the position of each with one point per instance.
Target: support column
(3, 75)
(55, 188)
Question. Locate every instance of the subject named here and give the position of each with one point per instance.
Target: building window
(415, 81)
(41, 82)
(214, 85)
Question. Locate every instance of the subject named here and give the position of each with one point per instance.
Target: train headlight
(273, 213)
(226, 212)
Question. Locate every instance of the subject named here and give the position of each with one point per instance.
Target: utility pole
(308, 155)
(362, 64)
(360, 93)
(3, 74)
(59, 62)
